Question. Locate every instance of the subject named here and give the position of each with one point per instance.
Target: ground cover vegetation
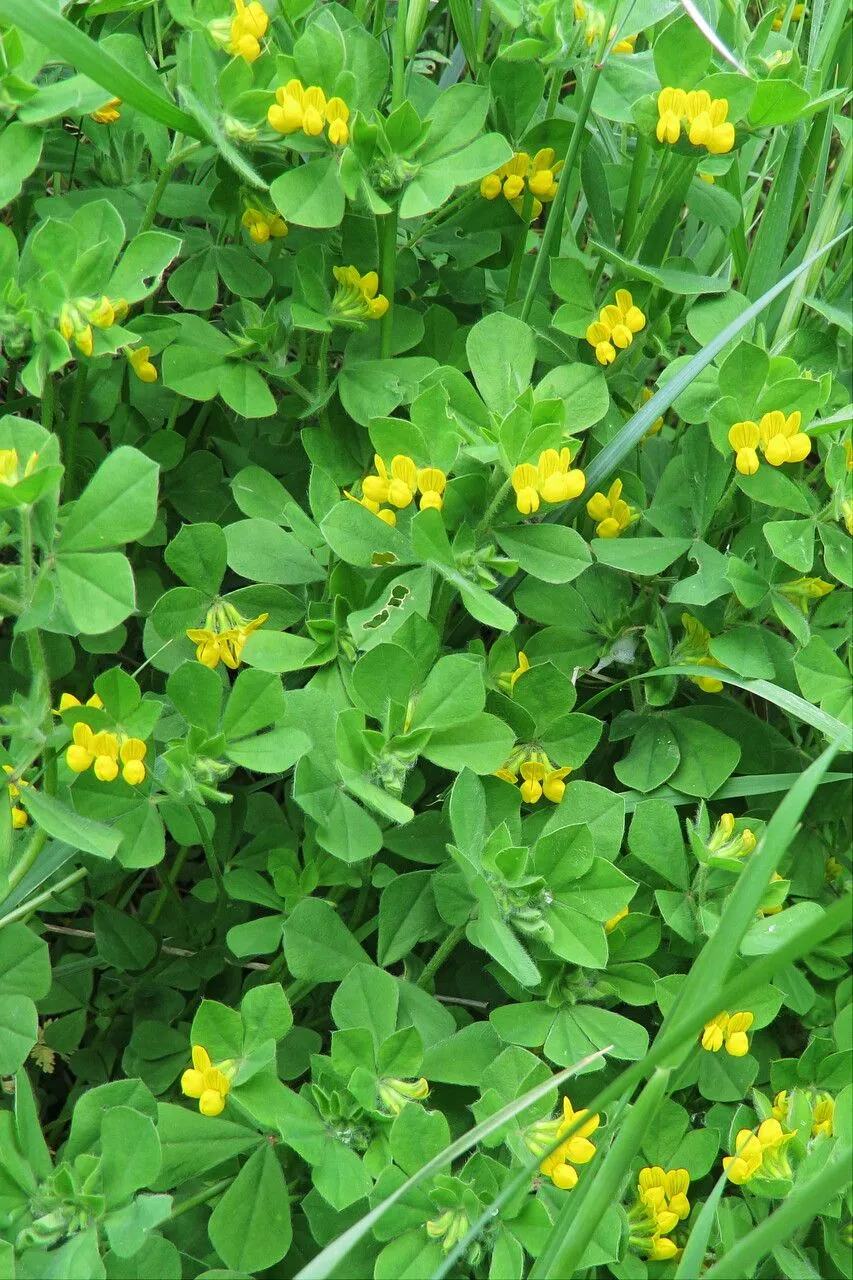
(426, 502)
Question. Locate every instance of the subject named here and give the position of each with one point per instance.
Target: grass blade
(690, 1263)
(751, 784)
(711, 36)
(86, 56)
(801, 1205)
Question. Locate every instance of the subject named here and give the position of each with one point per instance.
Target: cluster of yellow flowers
(263, 224)
(694, 648)
(779, 438)
(104, 750)
(612, 512)
(247, 30)
(660, 1205)
(796, 13)
(297, 108)
(108, 113)
(615, 327)
(763, 1151)
(399, 486)
(223, 635)
(702, 117)
(538, 175)
(551, 480)
(20, 817)
(10, 466)
(559, 1165)
(357, 296)
(593, 20)
(78, 315)
(729, 1029)
(539, 777)
(207, 1082)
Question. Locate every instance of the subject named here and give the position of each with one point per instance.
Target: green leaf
(121, 940)
(359, 537)
(551, 553)
(672, 279)
(646, 556)
(502, 352)
(64, 824)
(20, 151)
(198, 556)
(19, 1026)
(130, 1153)
(97, 589)
(250, 1226)
(452, 693)
(310, 195)
(792, 542)
(119, 504)
(24, 962)
(653, 757)
(192, 1144)
(266, 1015)
(317, 943)
(708, 757)
(262, 552)
(256, 700)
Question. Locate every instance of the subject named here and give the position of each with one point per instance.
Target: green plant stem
(71, 431)
(398, 56)
(209, 854)
(449, 945)
(323, 365)
(47, 404)
(11, 379)
(40, 688)
(169, 886)
(494, 506)
(175, 159)
(201, 1197)
(635, 189)
(553, 227)
(37, 842)
(387, 232)
(40, 899)
(519, 249)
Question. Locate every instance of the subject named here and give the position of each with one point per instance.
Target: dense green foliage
(426, 512)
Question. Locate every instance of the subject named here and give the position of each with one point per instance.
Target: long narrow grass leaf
(690, 1262)
(711, 36)
(47, 26)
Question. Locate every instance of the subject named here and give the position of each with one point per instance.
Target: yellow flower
(20, 817)
(558, 1166)
(672, 107)
(801, 590)
(724, 843)
(709, 127)
(285, 115)
(525, 482)
(693, 648)
(80, 754)
(223, 635)
(662, 1248)
(132, 752)
(544, 173)
(556, 483)
(539, 776)
(108, 113)
(490, 186)
(247, 30)
(509, 679)
(615, 327)
(394, 1094)
(737, 1041)
(263, 225)
(796, 13)
(398, 487)
(98, 311)
(139, 362)
(658, 422)
(779, 1110)
(823, 1116)
(337, 115)
(746, 1160)
(744, 438)
(610, 925)
(612, 513)
(714, 1032)
(10, 467)
(356, 297)
(73, 326)
(540, 175)
(781, 438)
(104, 749)
(660, 1205)
(431, 483)
(206, 1082)
(533, 773)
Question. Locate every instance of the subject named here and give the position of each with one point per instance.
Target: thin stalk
(11, 379)
(175, 159)
(40, 689)
(553, 227)
(323, 365)
(47, 397)
(209, 854)
(387, 232)
(201, 1197)
(26, 908)
(519, 249)
(37, 842)
(495, 505)
(71, 430)
(398, 56)
(635, 189)
(169, 885)
(449, 945)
